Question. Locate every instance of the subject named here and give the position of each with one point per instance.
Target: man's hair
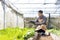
(40, 11)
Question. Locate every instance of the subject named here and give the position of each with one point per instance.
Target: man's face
(40, 14)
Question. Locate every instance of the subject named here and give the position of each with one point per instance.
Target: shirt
(39, 18)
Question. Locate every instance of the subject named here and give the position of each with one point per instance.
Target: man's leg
(38, 27)
(43, 27)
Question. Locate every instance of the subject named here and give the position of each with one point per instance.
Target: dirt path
(55, 37)
(52, 37)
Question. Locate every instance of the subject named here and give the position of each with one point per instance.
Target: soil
(51, 37)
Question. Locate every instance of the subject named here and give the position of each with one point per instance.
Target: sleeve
(44, 20)
(36, 20)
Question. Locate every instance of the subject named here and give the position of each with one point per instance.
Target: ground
(51, 37)
(55, 37)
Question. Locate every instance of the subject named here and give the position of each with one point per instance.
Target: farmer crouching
(41, 23)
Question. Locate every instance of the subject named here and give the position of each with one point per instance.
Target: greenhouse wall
(11, 19)
(1, 16)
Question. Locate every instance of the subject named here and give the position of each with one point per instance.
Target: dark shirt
(43, 22)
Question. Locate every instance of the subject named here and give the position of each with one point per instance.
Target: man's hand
(40, 20)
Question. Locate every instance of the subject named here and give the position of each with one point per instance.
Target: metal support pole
(17, 19)
(49, 23)
(4, 11)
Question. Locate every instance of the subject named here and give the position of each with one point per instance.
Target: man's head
(40, 13)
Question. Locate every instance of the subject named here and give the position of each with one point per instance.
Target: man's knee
(43, 27)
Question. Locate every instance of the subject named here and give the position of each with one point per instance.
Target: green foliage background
(16, 33)
(21, 33)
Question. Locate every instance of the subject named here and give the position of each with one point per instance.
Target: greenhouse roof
(30, 7)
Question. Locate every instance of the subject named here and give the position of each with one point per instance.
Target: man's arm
(43, 22)
(37, 22)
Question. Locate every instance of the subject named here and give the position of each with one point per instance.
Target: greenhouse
(18, 19)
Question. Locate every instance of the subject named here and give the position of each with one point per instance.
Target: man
(41, 22)
(41, 25)
(41, 18)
